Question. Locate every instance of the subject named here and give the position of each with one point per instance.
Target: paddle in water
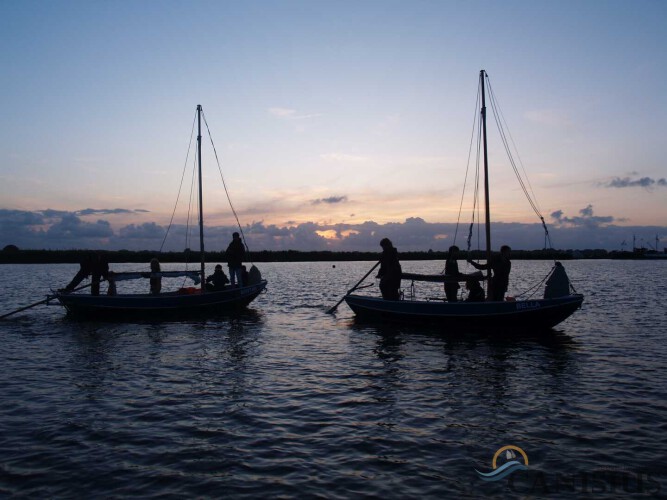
(332, 309)
(41, 302)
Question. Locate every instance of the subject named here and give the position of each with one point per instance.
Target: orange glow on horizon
(329, 234)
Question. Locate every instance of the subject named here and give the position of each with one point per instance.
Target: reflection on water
(285, 400)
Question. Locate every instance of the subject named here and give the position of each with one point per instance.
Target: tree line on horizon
(13, 255)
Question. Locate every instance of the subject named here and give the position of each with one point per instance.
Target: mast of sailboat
(486, 181)
(201, 202)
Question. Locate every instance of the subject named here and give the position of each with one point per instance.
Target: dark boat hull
(159, 306)
(520, 315)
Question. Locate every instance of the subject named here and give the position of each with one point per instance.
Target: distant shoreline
(127, 256)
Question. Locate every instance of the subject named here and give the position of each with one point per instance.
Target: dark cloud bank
(645, 182)
(54, 229)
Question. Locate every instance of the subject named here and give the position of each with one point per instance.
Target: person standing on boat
(99, 270)
(92, 264)
(155, 276)
(235, 254)
(501, 265)
(390, 271)
(452, 271)
(111, 279)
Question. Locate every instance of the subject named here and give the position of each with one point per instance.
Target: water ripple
(287, 401)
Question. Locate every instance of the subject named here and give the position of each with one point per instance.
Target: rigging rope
(465, 179)
(188, 226)
(224, 184)
(181, 184)
(534, 287)
(499, 119)
(499, 112)
(525, 186)
(476, 205)
(511, 158)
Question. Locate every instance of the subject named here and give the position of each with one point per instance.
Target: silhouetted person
(390, 271)
(501, 265)
(254, 276)
(558, 284)
(475, 291)
(111, 279)
(452, 271)
(235, 254)
(155, 276)
(244, 275)
(217, 280)
(85, 267)
(99, 270)
(92, 264)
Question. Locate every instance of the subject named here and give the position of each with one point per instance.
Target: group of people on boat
(238, 273)
(501, 265)
(96, 266)
(390, 275)
(453, 275)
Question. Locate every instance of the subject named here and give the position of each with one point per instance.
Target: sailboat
(185, 301)
(532, 314)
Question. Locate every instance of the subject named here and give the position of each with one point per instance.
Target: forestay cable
(224, 184)
(532, 200)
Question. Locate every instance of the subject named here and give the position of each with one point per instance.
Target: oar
(40, 302)
(331, 310)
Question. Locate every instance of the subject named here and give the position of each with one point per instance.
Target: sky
(336, 123)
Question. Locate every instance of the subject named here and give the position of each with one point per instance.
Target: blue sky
(326, 116)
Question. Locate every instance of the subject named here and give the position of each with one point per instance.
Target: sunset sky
(336, 122)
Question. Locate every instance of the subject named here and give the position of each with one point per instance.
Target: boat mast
(482, 73)
(201, 203)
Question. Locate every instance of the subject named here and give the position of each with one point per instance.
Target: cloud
(71, 227)
(587, 212)
(54, 229)
(148, 230)
(645, 182)
(585, 230)
(585, 218)
(107, 211)
(50, 213)
(330, 200)
(20, 218)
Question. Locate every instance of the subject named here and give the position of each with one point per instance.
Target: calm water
(287, 401)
